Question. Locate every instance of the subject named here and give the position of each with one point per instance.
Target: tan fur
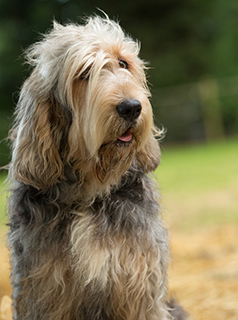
(86, 239)
(40, 131)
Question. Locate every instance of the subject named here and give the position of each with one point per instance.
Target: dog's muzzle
(129, 109)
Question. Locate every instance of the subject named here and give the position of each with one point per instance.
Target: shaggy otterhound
(86, 237)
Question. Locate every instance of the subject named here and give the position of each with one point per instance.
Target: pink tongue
(126, 137)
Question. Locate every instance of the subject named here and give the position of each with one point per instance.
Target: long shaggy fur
(86, 239)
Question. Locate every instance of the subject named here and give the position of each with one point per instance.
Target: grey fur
(86, 237)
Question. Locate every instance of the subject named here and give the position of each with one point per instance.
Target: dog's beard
(114, 159)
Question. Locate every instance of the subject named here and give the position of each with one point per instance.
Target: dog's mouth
(126, 136)
(123, 140)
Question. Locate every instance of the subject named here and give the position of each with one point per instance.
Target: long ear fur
(149, 157)
(37, 137)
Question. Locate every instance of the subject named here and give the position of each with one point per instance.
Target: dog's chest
(115, 247)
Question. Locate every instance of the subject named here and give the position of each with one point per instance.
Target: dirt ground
(203, 276)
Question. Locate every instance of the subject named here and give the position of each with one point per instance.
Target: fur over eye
(123, 64)
(85, 74)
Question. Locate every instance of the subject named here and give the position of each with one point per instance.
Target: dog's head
(85, 106)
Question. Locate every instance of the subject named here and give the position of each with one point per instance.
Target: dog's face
(88, 101)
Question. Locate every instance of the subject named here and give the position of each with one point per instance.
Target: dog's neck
(131, 188)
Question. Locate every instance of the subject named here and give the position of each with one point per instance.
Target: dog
(86, 237)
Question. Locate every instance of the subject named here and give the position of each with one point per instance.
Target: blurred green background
(192, 47)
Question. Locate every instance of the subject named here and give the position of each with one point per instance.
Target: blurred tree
(175, 34)
(183, 40)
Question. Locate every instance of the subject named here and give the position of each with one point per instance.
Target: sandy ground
(203, 276)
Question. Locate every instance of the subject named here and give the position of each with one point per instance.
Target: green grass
(194, 168)
(3, 201)
(198, 183)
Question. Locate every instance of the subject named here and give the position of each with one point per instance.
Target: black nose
(129, 109)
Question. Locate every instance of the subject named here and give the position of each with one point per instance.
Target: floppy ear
(149, 157)
(37, 138)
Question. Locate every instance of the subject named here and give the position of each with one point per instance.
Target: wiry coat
(86, 239)
(105, 261)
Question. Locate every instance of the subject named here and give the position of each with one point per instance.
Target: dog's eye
(123, 64)
(85, 74)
